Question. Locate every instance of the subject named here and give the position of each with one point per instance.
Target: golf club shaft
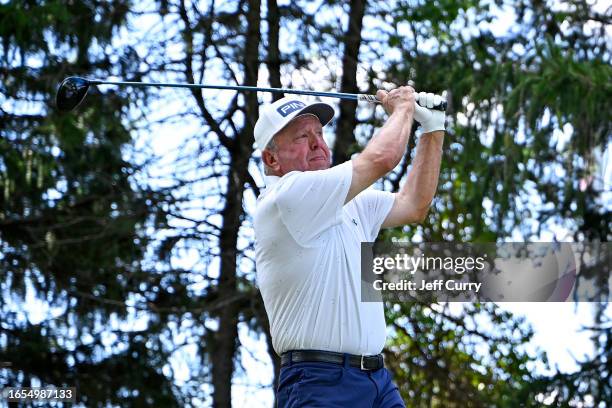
(340, 95)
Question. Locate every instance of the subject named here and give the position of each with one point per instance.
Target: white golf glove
(430, 119)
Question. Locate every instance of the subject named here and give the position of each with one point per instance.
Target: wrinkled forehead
(298, 123)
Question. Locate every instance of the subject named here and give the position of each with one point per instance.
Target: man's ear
(270, 160)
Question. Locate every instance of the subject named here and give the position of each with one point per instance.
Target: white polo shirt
(308, 261)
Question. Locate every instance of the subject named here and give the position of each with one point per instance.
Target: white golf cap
(275, 116)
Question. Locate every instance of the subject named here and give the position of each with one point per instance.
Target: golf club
(73, 90)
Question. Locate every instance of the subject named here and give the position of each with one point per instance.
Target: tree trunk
(273, 63)
(273, 60)
(345, 134)
(226, 337)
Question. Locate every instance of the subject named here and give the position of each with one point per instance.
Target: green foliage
(72, 221)
(446, 358)
(511, 97)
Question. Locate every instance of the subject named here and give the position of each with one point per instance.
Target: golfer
(309, 223)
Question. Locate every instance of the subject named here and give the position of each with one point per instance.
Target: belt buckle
(362, 366)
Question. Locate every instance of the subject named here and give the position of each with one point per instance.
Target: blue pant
(314, 385)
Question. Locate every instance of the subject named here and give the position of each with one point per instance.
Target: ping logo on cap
(291, 106)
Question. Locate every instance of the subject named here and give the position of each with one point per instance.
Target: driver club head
(71, 93)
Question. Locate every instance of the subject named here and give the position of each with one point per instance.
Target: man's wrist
(433, 133)
(403, 110)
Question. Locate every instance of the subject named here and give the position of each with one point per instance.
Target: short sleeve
(311, 202)
(373, 206)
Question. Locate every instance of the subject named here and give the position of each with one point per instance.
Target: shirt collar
(271, 180)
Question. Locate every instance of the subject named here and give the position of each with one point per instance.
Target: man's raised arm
(385, 151)
(414, 198)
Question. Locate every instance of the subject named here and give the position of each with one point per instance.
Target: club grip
(441, 106)
(373, 99)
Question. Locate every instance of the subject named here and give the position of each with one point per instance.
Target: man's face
(300, 146)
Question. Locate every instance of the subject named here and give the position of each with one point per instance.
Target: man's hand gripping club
(431, 120)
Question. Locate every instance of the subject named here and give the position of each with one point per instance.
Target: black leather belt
(363, 362)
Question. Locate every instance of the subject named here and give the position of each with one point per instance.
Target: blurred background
(126, 241)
